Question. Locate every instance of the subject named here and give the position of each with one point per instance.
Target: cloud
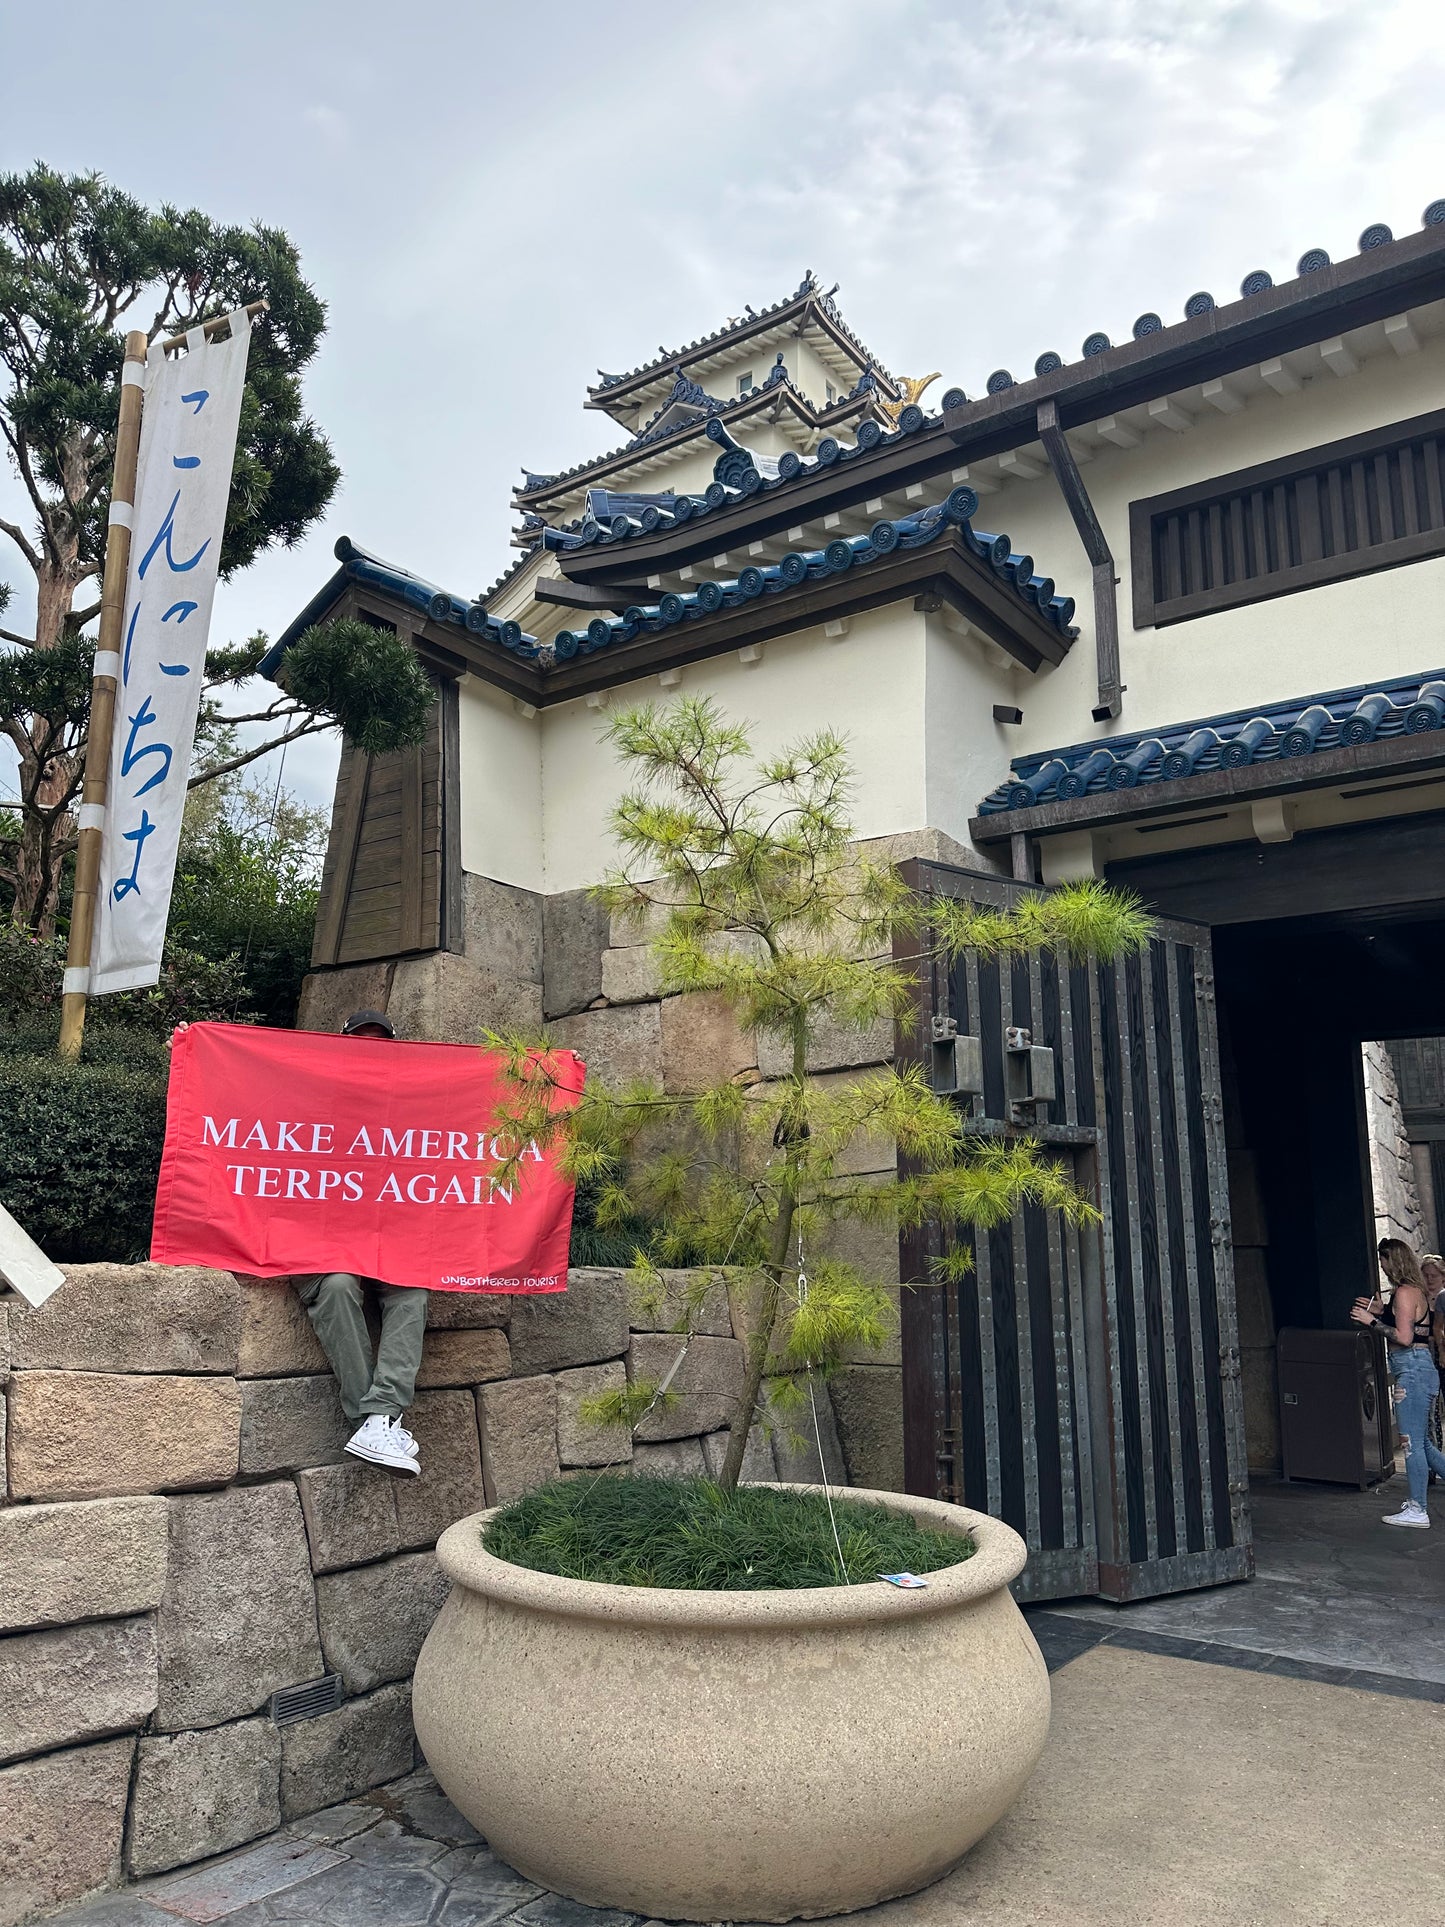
(499, 200)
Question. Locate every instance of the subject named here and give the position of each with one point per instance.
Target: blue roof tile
(805, 565)
(1341, 718)
(795, 569)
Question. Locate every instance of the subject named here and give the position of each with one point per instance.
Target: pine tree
(80, 263)
(750, 876)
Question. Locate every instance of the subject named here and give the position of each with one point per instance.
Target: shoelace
(402, 1437)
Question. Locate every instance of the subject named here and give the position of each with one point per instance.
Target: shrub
(690, 1533)
(80, 1150)
(191, 986)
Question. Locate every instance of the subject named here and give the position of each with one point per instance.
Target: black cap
(368, 1020)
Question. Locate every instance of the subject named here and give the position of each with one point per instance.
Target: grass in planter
(688, 1533)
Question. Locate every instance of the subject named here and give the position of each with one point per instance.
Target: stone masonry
(181, 1537)
(592, 979)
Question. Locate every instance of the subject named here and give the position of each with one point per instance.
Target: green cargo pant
(337, 1309)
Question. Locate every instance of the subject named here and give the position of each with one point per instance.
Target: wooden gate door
(1083, 1384)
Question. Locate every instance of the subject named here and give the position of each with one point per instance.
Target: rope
(270, 845)
(818, 1430)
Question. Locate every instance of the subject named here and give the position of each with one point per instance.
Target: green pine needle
(689, 1534)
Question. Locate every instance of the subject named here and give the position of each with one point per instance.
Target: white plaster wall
(1371, 627)
(869, 685)
(501, 787)
(808, 372)
(964, 748)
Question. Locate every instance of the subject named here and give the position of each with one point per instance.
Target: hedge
(80, 1150)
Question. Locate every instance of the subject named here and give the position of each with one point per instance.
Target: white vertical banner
(187, 446)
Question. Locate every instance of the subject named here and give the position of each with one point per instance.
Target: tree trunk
(47, 827)
(762, 1338)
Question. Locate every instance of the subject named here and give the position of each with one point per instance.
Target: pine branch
(313, 728)
(18, 537)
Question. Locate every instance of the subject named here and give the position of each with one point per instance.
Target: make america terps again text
(383, 1163)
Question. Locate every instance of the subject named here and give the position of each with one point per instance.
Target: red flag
(292, 1152)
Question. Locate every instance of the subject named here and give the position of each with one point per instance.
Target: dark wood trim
(757, 401)
(345, 838)
(947, 569)
(927, 1463)
(1304, 470)
(1359, 866)
(583, 595)
(411, 936)
(889, 466)
(1395, 755)
(452, 932)
(1283, 467)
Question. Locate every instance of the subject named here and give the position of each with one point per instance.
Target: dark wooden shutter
(385, 885)
(1370, 502)
(1083, 1384)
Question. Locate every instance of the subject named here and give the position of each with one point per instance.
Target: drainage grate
(306, 1702)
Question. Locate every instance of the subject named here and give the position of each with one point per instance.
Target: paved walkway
(1172, 1794)
(1223, 1758)
(1337, 1598)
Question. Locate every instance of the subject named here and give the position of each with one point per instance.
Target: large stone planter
(733, 1756)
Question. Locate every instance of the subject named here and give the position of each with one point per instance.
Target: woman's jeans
(1416, 1384)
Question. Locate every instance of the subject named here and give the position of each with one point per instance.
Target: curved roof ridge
(737, 408)
(809, 289)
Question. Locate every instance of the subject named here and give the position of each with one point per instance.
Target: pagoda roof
(809, 306)
(976, 572)
(682, 415)
(739, 474)
(1387, 277)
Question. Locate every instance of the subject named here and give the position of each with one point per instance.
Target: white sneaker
(404, 1439)
(1409, 1514)
(374, 1441)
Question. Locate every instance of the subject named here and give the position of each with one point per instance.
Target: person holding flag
(376, 1391)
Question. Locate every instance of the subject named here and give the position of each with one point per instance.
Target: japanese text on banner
(188, 442)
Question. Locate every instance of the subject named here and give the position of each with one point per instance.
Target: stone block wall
(182, 1535)
(1392, 1166)
(591, 979)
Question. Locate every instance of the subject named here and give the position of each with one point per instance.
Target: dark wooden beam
(1101, 561)
(584, 595)
(1326, 769)
(946, 570)
(1359, 866)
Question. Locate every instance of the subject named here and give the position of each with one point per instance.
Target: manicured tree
(80, 263)
(749, 872)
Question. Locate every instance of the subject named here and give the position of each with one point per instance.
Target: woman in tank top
(1406, 1325)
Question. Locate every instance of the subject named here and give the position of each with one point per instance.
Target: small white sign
(24, 1265)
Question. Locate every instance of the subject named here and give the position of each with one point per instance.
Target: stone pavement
(1172, 1793)
(1337, 1597)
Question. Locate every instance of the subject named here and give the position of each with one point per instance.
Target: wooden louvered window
(1371, 502)
(391, 885)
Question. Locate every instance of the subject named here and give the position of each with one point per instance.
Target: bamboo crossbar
(174, 342)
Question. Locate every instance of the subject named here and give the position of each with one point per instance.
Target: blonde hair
(1398, 1263)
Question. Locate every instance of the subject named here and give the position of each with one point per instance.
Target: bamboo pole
(102, 698)
(173, 342)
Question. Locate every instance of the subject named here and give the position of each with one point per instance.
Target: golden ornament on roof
(912, 386)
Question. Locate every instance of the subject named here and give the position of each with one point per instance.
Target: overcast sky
(495, 200)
